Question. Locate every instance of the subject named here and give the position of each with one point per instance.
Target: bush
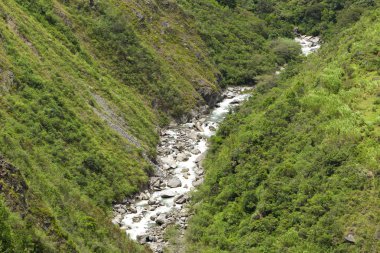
(286, 50)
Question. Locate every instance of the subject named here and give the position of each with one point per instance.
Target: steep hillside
(297, 168)
(86, 85)
(83, 89)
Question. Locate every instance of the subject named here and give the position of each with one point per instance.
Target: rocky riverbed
(179, 170)
(180, 153)
(309, 44)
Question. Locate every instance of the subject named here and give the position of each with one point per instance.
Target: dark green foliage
(77, 118)
(286, 50)
(229, 3)
(296, 168)
(236, 40)
(311, 17)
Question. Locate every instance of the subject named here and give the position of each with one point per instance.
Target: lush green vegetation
(237, 40)
(296, 169)
(83, 90)
(84, 85)
(311, 17)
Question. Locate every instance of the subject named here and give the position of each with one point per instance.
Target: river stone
(212, 128)
(169, 161)
(168, 194)
(198, 182)
(199, 171)
(156, 184)
(184, 170)
(141, 239)
(182, 157)
(161, 219)
(136, 219)
(200, 158)
(199, 127)
(133, 209)
(151, 239)
(180, 199)
(180, 147)
(189, 125)
(196, 151)
(174, 182)
(144, 196)
(193, 135)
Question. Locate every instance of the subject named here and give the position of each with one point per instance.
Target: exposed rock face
(13, 187)
(180, 153)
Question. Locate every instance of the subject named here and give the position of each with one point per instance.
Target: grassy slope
(237, 40)
(297, 168)
(65, 70)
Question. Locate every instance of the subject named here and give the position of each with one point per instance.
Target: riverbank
(179, 170)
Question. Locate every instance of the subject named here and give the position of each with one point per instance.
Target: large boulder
(182, 157)
(168, 194)
(181, 199)
(174, 182)
(161, 219)
(198, 182)
(169, 161)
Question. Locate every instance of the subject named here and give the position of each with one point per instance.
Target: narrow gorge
(189, 126)
(179, 170)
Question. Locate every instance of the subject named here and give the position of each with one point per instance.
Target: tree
(230, 3)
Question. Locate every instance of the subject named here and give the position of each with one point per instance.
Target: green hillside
(83, 90)
(296, 169)
(86, 86)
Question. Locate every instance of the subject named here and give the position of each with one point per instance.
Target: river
(179, 171)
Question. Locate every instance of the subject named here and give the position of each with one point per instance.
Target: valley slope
(297, 168)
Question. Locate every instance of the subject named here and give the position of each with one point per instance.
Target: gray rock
(182, 157)
(161, 219)
(197, 183)
(151, 239)
(169, 161)
(199, 127)
(136, 219)
(200, 158)
(350, 238)
(180, 199)
(196, 151)
(144, 196)
(141, 239)
(193, 136)
(174, 182)
(168, 194)
(132, 209)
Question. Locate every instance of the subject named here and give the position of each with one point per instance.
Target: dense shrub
(294, 169)
(285, 50)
